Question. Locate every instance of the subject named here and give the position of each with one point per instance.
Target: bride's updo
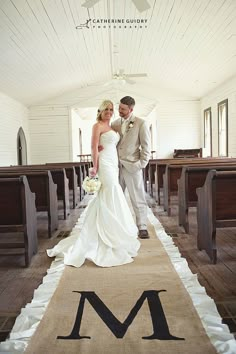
(102, 108)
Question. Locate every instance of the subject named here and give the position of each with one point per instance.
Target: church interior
(59, 61)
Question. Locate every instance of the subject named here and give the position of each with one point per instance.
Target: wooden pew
(41, 183)
(187, 153)
(216, 208)
(81, 170)
(158, 167)
(72, 177)
(193, 177)
(173, 173)
(75, 172)
(85, 158)
(59, 178)
(145, 177)
(150, 176)
(18, 215)
(70, 174)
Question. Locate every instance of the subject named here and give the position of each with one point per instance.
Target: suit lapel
(127, 131)
(129, 127)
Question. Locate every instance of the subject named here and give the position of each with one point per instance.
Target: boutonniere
(130, 125)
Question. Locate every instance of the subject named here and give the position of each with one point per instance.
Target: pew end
(18, 215)
(216, 208)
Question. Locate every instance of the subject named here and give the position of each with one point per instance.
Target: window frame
(224, 102)
(205, 111)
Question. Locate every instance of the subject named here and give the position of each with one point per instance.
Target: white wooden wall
(51, 137)
(50, 133)
(225, 91)
(178, 126)
(75, 126)
(86, 128)
(13, 115)
(152, 120)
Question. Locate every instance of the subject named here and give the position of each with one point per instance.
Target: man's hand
(100, 148)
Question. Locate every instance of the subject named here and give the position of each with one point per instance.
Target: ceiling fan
(141, 5)
(122, 76)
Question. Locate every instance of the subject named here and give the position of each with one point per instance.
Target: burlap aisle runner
(141, 307)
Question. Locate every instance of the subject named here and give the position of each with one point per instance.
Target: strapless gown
(105, 233)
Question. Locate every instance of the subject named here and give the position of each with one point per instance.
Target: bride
(108, 236)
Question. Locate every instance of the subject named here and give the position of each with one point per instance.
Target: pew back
(187, 153)
(41, 183)
(157, 168)
(18, 215)
(173, 173)
(193, 177)
(216, 208)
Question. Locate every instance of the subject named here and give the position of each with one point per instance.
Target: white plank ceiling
(49, 47)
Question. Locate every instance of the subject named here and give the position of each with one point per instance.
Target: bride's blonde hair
(102, 108)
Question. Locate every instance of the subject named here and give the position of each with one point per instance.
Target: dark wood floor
(218, 279)
(17, 283)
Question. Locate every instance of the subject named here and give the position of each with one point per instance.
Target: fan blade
(136, 75)
(141, 5)
(90, 3)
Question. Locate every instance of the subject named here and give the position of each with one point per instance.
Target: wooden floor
(218, 279)
(17, 283)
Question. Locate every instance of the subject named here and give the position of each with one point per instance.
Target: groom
(134, 153)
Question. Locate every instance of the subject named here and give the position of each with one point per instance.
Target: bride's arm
(94, 148)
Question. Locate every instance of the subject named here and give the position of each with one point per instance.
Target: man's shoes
(143, 234)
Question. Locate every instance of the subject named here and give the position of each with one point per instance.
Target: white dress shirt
(124, 123)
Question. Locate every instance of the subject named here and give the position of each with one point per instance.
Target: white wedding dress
(105, 233)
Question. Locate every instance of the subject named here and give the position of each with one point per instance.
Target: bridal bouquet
(91, 184)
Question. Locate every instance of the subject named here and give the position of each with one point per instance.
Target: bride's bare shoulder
(97, 127)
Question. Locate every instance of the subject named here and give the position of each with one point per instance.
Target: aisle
(149, 306)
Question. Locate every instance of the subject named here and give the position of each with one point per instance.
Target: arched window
(21, 148)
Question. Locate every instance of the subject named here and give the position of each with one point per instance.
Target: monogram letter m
(159, 323)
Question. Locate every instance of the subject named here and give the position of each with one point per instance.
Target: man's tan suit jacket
(134, 146)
